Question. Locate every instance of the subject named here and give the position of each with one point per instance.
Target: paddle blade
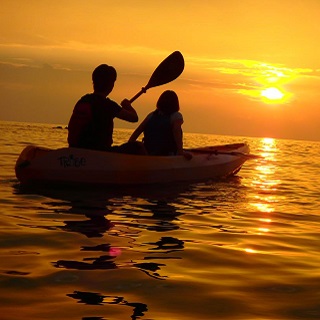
(168, 70)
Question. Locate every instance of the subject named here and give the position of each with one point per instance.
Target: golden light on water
(265, 182)
(266, 220)
(268, 144)
(263, 207)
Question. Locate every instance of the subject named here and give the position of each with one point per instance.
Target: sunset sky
(252, 67)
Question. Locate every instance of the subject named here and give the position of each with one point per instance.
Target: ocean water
(242, 248)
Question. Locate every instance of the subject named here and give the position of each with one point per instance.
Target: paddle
(168, 70)
(232, 153)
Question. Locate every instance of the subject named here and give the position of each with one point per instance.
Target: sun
(272, 93)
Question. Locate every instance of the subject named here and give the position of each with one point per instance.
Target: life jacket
(91, 124)
(158, 135)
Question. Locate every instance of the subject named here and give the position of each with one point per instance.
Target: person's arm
(178, 137)
(136, 133)
(127, 113)
(78, 123)
(177, 134)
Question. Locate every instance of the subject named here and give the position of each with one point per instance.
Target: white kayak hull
(73, 166)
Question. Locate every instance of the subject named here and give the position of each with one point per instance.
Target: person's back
(162, 128)
(91, 123)
(158, 135)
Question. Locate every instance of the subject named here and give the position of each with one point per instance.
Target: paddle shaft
(143, 90)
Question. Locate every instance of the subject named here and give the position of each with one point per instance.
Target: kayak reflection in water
(94, 298)
(162, 128)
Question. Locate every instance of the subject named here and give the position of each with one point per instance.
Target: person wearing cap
(91, 123)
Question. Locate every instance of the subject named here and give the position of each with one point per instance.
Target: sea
(244, 248)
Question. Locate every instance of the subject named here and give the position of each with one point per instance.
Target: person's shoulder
(86, 98)
(176, 116)
(112, 106)
(111, 102)
(150, 114)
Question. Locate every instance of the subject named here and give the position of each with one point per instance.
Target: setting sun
(272, 94)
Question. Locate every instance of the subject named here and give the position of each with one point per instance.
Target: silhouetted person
(162, 128)
(91, 124)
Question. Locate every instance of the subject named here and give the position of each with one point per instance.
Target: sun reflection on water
(264, 196)
(266, 184)
(249, 250)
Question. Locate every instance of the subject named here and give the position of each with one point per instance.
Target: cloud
(247, 77)
(73, 53)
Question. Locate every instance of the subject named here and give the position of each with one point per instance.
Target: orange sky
(234, 50)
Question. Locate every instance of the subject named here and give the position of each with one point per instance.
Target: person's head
(168, 102)
(103, 78)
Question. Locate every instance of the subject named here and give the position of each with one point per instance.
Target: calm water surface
(245, 248)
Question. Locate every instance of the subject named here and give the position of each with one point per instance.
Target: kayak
(74, 166)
